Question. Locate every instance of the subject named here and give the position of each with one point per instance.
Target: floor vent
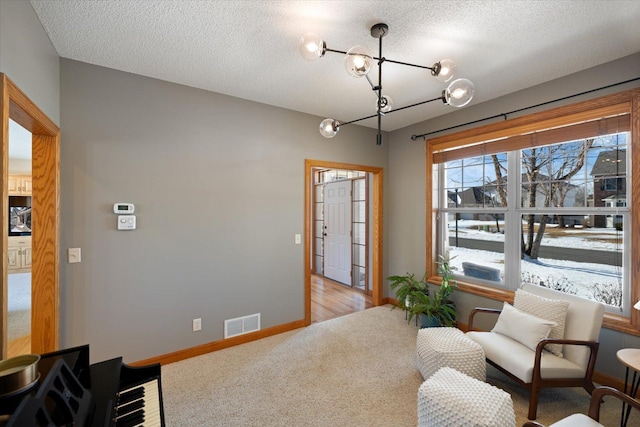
(241, 325)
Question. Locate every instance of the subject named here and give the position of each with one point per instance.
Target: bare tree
(502, 194)
(560, 162)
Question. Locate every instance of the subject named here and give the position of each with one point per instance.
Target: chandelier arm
(406, 63)
(375, 88)
(358, 120)
(389, 112)
(335, 51)
(415, 105)
(385, 59)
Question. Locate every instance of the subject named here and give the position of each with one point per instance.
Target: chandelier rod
(392, 111)
(384, 59)
(379, 89)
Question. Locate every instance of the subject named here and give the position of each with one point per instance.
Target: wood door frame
(45, 220)
(376, 241)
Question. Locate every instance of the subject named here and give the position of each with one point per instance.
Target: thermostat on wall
(123, 208)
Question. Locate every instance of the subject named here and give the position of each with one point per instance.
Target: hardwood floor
(330, 299)
(19, 346)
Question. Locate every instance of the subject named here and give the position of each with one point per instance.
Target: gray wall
(28, 58)
(407, 168)
(218, 185)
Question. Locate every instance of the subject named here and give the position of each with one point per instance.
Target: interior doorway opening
(19, 247)
(340, 251)
(367, 267)
(45, 202)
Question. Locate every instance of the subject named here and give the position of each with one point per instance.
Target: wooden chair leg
(589, 387)
(533, 403)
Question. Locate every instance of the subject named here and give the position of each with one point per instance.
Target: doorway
(313, 248)
(19, 247)
(340, 249)
(45, 204)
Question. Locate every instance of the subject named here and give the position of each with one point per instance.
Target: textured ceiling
(249, 49)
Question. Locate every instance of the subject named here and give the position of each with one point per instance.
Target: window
(541, 199)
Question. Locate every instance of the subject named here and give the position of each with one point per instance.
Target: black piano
(71, 392)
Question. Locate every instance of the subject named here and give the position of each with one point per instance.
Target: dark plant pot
(429, 321)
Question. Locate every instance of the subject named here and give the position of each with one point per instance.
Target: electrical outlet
(197, 324)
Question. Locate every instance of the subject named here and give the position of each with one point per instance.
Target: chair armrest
(532, 424)
(600, 392)
(480, 310)
(593, 345)
(544, 342)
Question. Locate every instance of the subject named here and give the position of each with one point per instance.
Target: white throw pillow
(550, 309)
(522, 327)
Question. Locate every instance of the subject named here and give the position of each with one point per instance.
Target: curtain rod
(424, 135)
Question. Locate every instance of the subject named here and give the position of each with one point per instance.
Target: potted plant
(405, 286)
(436, 309)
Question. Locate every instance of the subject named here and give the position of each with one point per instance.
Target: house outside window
(547, 206)
(554, 245)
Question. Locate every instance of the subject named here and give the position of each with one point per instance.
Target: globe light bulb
(386, 103)
(459, 93)
(329, 128)
(358, 61)
(312, 46)
(444, 70)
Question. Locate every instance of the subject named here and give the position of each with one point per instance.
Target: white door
(337, 231)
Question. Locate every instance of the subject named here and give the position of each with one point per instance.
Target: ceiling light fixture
(359, 61)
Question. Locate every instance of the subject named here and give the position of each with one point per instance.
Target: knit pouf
(452, 399)
(440, 347)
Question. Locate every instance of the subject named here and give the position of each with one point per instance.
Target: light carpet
(356, 370)
(19, 305)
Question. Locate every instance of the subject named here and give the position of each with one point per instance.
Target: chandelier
(359, 61)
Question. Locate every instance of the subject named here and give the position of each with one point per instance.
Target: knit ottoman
(439, 347)
(452, 399)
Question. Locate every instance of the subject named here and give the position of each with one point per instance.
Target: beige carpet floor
(19, 305)
(355, 370)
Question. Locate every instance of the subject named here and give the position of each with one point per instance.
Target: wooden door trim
(45, 320)
(376, 241)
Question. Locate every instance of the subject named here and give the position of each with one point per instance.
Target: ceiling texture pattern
(249, 49)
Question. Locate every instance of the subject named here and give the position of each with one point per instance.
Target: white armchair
(581, 420)
(521, 349)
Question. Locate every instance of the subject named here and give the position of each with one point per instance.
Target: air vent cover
(241, 325)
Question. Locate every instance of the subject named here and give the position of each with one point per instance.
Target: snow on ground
(579, 276)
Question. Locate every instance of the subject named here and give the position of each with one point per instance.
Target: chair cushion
(576, 420)
(518, 359)
(545, 308)
(583, 322)
(523, 327)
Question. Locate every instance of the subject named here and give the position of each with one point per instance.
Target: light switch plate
(74, 255)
